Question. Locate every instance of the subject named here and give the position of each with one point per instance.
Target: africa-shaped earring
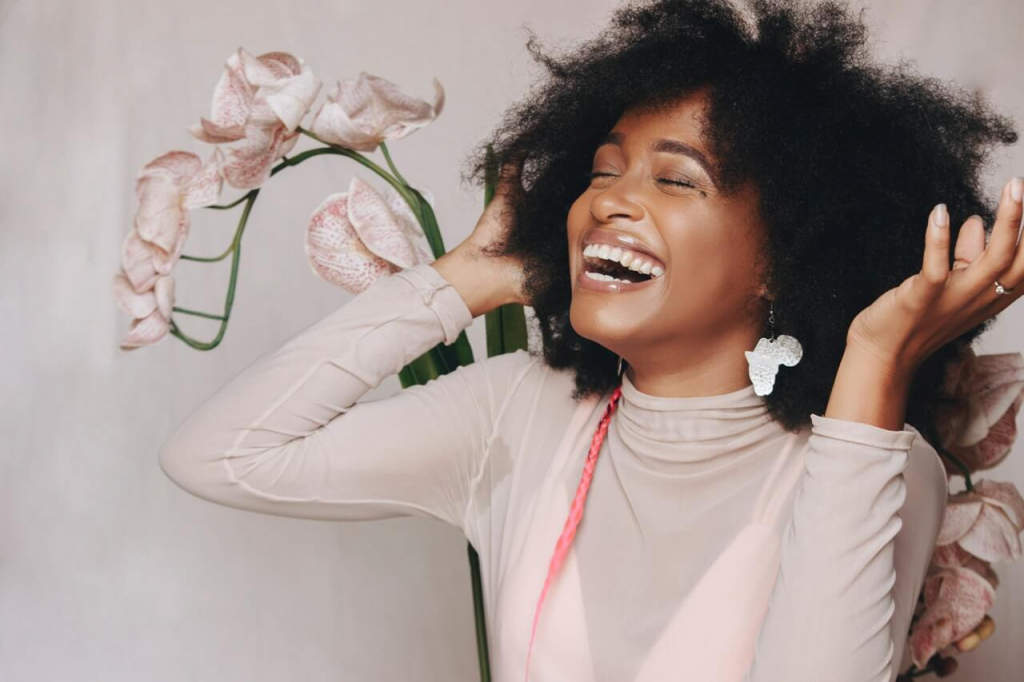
(769, 353)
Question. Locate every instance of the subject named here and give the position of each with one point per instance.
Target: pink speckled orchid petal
(995, 382)
(332, 124)
(164, 261)
(962, 512)
(248, 165)
(204, 188)
(1005, 496)
(269, 67)
(159, 216)
(137, 261)
(951, 554)
(982, 428)
(362, 111)
(287, 142)
(996, 445)
(287, 86)
(136, 304)
(146, 331)
(993, 537)
(335, 252)
(959, 599)
(378, 228)
(208, 131)
(261, 73)
(179, 166)
(412, 228)
(406, 114)
(233, 95)
(983, 569)
(163, 292)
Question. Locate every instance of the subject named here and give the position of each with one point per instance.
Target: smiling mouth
(604, 263)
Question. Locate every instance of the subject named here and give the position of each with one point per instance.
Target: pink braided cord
(575, 514)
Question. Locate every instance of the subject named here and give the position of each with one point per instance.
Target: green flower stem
(186, 311)
(958, 464)
(236, 202)
(391, 164)
(482, 653)
(399, 186)
(236, 251)
(932, 437)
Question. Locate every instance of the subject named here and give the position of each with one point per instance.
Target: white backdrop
(108, 571)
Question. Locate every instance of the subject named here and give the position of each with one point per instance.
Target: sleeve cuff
(441, 297)
(865, 434)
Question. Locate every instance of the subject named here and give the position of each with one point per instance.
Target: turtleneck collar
(692, 429)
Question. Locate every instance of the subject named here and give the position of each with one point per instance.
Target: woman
(760, 510)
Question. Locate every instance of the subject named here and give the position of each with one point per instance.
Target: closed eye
(670, 181)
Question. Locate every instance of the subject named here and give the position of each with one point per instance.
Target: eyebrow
(669, 146)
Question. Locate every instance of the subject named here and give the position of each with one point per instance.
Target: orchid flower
(985, 522)
(259, 102)
(981, 428)
(354, 237)
(956, 601)
(166, 188)
(362, 112)
(978, 527)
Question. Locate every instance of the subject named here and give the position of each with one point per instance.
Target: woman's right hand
(484, 281)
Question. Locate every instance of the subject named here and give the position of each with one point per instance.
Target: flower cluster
(166, 188)
(981, 525)
(259, 103)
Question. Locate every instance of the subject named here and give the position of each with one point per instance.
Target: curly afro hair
(849, 157)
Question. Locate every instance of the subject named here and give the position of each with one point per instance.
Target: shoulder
(527, 386)
(519, 375)
(926, 477)
(921, 514)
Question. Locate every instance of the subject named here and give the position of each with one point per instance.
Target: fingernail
(1016, 189)
(940, 215)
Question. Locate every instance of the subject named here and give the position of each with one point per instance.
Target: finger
(935, 268)
(986, 628)
(1014, 274)
(509, 175)
(969, 243)
(999, 255)
(969, 642)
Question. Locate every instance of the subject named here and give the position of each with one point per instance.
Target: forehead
(679, 119)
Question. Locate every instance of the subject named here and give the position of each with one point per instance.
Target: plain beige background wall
(110, 572)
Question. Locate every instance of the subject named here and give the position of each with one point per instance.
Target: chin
(603, 324)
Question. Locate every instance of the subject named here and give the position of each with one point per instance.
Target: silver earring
(769, 353)
(618, 371)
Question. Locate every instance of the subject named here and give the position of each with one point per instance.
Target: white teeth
(624, 257)
(605, 278)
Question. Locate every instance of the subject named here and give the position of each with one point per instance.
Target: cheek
(711, 267)
(577, 218)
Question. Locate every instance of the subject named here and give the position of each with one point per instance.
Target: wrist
(870, 390)
(470, 280)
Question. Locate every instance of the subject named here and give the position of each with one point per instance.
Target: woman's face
(655, 199)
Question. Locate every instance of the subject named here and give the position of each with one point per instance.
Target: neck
(691, 369)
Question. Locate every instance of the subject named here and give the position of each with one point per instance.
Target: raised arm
(287, 437)
(854, 555)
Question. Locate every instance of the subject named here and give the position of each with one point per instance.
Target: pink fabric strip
(575, 514)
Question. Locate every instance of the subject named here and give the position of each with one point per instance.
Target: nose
(616, 201)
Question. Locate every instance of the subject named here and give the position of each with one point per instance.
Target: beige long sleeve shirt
(716, 547)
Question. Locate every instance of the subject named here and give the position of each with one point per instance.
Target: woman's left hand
(931, 308)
